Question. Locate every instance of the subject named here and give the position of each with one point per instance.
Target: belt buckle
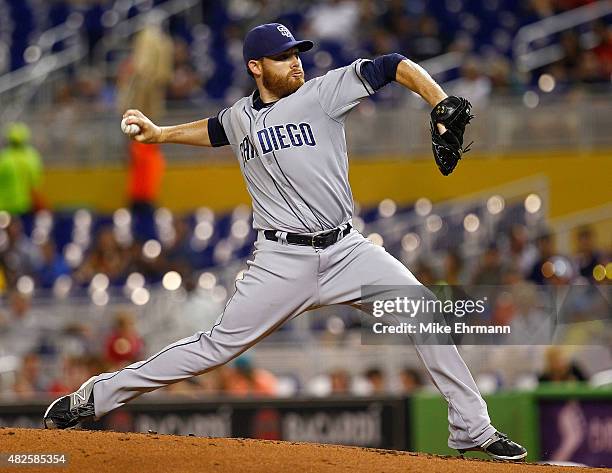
(323, 237)
(314, 239)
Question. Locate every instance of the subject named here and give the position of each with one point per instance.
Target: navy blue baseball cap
(269, 40)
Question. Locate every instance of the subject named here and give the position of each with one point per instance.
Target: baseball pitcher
(288, 137)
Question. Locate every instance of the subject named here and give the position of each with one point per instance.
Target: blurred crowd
(190, 62)
(31, 267)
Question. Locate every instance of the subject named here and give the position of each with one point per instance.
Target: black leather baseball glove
(455, 114)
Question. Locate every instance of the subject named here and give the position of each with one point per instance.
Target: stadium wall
(537, 419)
(576, 182)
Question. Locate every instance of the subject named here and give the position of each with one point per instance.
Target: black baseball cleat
(68, 411)
(500, 447)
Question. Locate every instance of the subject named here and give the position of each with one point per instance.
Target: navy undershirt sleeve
(216, 133)
(381, 70)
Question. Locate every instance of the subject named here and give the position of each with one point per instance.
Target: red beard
(281, 86)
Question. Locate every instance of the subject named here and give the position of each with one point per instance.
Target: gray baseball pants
(281, 282)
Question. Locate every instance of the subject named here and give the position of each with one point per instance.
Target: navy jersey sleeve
(216, 132)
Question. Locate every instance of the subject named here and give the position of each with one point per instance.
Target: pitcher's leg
(468, 418)
(357, 262)
(276, 287)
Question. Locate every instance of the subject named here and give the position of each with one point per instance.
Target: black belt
(320, 240)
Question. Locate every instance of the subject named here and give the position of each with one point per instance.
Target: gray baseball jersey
(292, 153)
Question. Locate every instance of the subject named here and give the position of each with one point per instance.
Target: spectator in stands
(395, 19)
(334, 20)
(28, 383)
(80, 339)
(124, 345)
(376, 381)
(603, 50)
(21, 256)
(244, 379)
(490, 270)
(185, 82)
(340, 382)
(89, 86)
(74, 370)
(454, 269)
(473, 84)
(53, 265)
(20, 172)
(429, 41)
(571, 54)
(529, 323)
(587, 257)
(410, 380)
(106, 257)
(499, 71)
(520, 254)
(590, 71)
(425, 274)
(144, 84)
(541, 271)
(559, 368)
(145, 174)
(179, 254)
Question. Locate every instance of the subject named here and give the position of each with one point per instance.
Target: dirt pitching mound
(127, 452)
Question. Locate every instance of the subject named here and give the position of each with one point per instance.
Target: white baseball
(131, 129)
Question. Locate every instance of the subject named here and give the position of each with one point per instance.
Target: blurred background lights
(241, 212)
(387, 208)
(134, 281)
(40, 235)
(203, 230)
(223, 251)
(423, 206)
(99, 297)
(548, 269)
(99, 282)
(82, 218)
(495, 204)
(609, 270)
(172, 281)
(151, 249)
(533, 203)
(73, 254)
(25, 285)
(140, 296)
(207, 281)
(43, 219)
(433, 223)
(62, 286)
(335, 325)
(546, 83)
(471, 222)
(410, 242)
(599, 272)
(219, 294)
(204, 214)
(163, 217)
(358, 224)
(560, 267)
(122, 217)
(32, 54)
(376, 238)
(531, 99)
(240, 229)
